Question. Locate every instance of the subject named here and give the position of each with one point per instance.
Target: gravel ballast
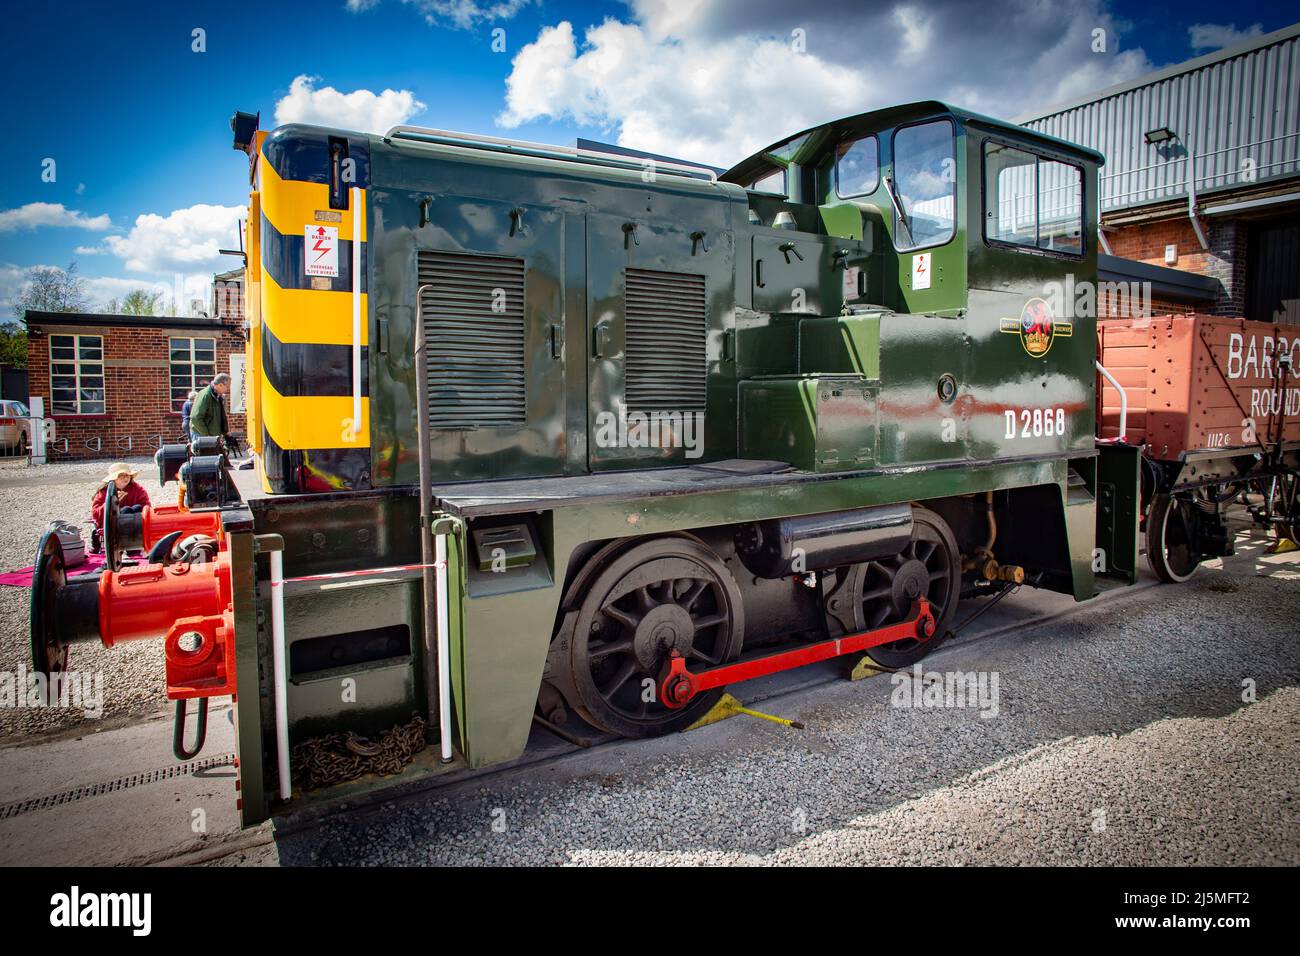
(1154, 726)
(1122, 737)
(30, 498)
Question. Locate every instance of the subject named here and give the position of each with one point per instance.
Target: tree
(13, 345)
(135, 302)
(50, 289)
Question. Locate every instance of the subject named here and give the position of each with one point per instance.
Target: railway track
(546, 751)
(561, 753)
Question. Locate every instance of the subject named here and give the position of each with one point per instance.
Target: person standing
(208, 416)
(185, 413)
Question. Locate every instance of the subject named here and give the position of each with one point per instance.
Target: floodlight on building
(1161, 134)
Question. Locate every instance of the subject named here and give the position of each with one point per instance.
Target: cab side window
(1032, 202)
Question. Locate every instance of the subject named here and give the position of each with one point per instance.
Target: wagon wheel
(883, 592)
(49, 651)
(1288, 507)
(1219, 494)
(663, 595)
(1171, 539)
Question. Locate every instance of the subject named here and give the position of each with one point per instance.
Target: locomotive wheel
(884, 591)
(49, 653)
(1171, 546)
(663, 595)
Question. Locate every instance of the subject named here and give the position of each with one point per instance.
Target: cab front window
(773, 182)
(924, 185)
(857, 167)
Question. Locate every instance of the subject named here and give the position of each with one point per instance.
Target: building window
(77, 374)
(193, 365)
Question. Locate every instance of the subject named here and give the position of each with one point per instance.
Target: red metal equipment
(678, 685)
(140, 603)
(159, 521)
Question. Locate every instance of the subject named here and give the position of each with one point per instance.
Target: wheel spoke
(643, 599)
(692, 595)
(699, 655)
(601, 651)
(624, 618)
(710, 621)
(619, 679)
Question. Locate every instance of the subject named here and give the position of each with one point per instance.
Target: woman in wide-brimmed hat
(130, 493)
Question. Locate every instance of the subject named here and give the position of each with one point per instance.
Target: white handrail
(444, 647)
(1123, 401)
(358, 225)
(279, 654)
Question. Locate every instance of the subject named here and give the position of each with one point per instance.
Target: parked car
(15, 427)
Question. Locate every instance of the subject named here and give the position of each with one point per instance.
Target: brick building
(115, 384)
(228, 297)
(1200, 194)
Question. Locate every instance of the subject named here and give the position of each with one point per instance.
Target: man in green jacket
(208, 416)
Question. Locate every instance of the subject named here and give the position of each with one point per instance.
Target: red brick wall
(137, 389)
(1225, 260)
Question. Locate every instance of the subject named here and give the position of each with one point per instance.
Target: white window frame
(82, 406)
(190, 363)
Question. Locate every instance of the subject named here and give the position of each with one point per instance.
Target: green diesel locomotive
(546, 431)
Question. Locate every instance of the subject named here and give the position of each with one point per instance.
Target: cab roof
(873, 120)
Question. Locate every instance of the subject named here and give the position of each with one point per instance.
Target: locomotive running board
(678, 685)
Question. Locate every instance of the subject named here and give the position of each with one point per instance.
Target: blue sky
(136, 121)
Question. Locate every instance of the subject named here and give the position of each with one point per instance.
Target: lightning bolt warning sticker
(321, 251)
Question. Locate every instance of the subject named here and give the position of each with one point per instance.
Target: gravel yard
(1121, 737)
(1126, 733)
(31, 498)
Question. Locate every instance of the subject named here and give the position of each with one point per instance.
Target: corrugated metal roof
(1235, 113)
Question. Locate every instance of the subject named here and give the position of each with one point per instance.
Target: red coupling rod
(679, 685)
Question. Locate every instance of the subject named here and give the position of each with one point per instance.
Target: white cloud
(182, 287)
(89, 250)
(461, 14)
(360, 110)
(37, 214)
(186, 240)
(714, 82)
(672, 97)
(1205, 37)
(100, 289)
(12, 280)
